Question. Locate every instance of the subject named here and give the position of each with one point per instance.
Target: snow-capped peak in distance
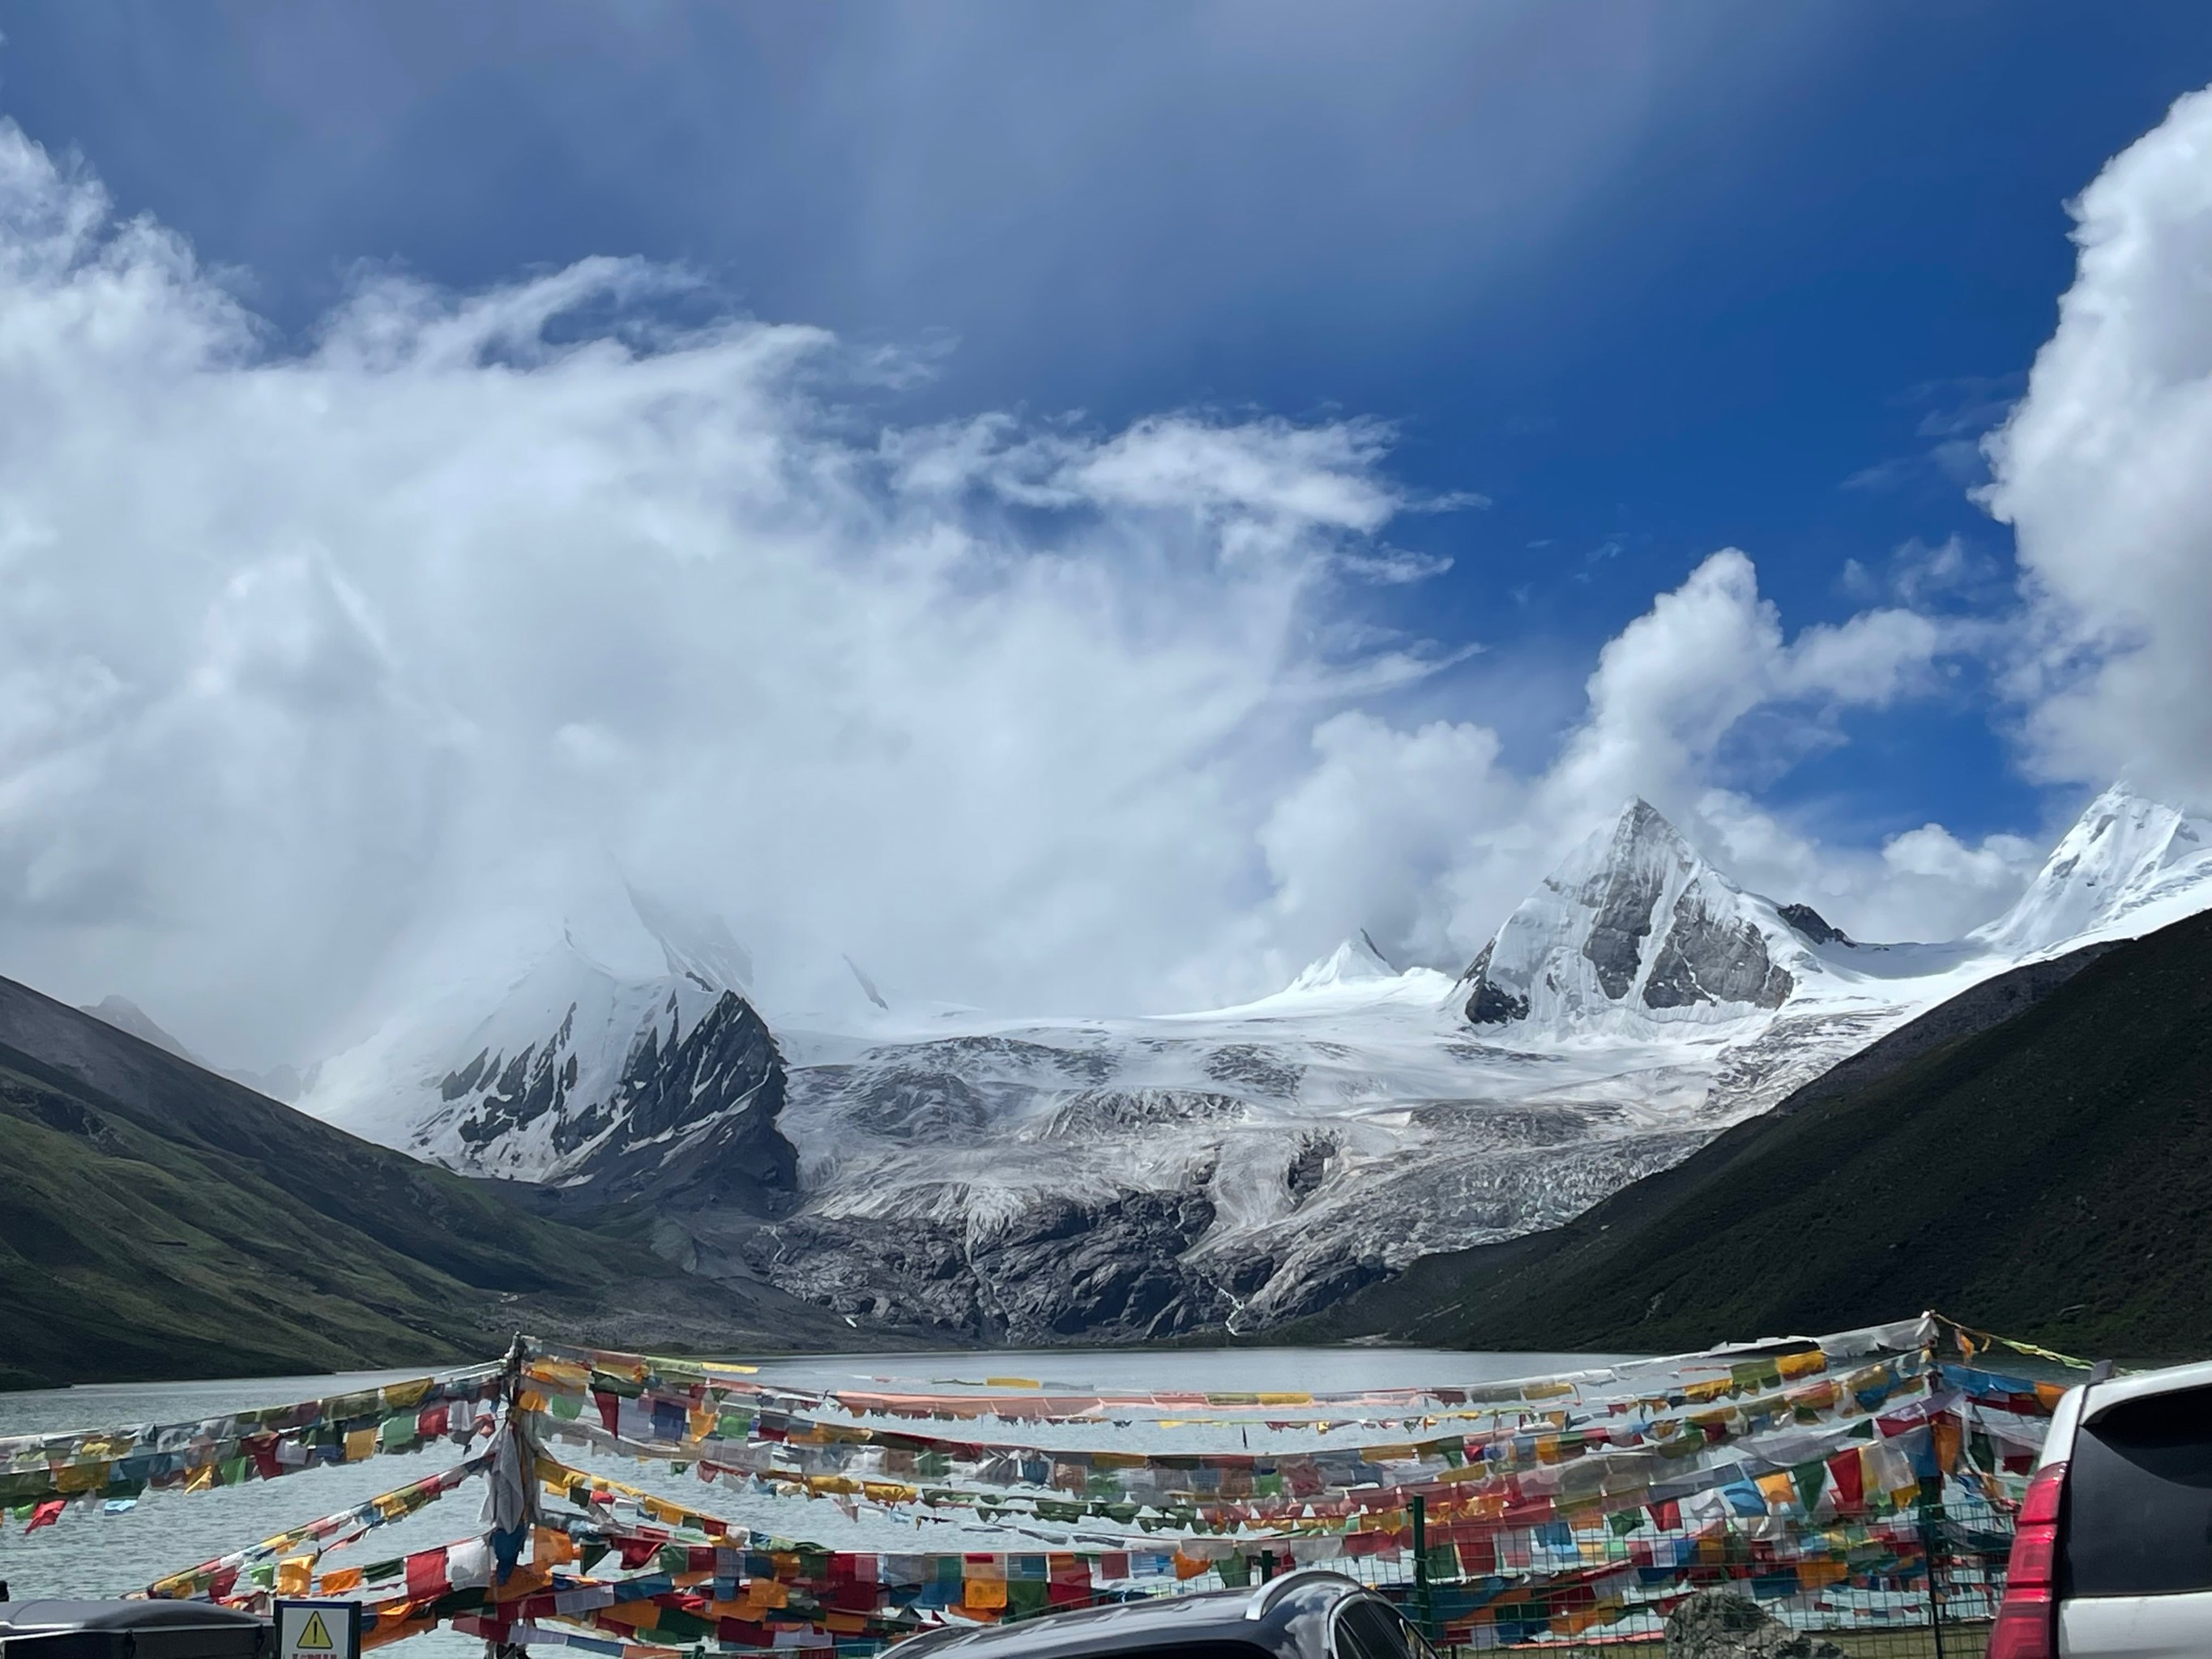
(125, 1015)
(1634, 927)
(1358, 960)
(2129, 864)
(282, 1083)
(1634, 923)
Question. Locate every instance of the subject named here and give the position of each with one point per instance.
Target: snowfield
(1038, 1179)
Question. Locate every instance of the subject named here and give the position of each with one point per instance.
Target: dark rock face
(516, 1095)
(1623, 896)
(1061, 1268)
(1706, 959)
(1813, 924)
(1719, 1623)
(1490, 1004)
(692, 1121)
(1310, 1168)
(1247, 1064)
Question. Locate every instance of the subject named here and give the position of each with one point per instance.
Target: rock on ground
(1718, 1624)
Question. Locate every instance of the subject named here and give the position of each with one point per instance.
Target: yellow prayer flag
(71, 1479)
(989, 1595)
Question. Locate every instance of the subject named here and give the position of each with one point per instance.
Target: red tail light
(2028, 1624)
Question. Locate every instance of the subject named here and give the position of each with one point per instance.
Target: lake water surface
(95, 1554)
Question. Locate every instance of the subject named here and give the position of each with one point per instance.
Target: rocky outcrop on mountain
(1813, 924)
(693, 1122)
(1714, 958)
(1063, 1267)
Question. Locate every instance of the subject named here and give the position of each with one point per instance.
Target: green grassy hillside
(159, 1221)
(2048, 1176)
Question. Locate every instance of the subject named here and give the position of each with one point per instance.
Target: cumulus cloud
(2103, 473)
(1682, 680)
(1438, 841)
(1374, 835)
(1923, 883)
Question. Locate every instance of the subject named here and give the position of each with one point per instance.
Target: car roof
(1254, 1616)
(2101, 1397)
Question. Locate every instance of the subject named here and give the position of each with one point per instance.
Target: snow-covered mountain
(582, 1078)
(1035, 1180)
(1634, 922)
(2126, 865)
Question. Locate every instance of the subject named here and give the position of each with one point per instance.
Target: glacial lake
(96, 1554)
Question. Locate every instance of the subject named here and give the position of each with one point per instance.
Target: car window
(2139, 1500)
(1365, 1629)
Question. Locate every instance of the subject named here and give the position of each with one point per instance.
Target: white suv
(2113, 1555)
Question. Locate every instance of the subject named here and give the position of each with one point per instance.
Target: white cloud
(323, 670)
(1924, 883)
(2105, 472)
(1373, 834)
(1682, 679)
(315, 661)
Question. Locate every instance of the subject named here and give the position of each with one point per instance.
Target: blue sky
(1654, 279)
(1815, 248)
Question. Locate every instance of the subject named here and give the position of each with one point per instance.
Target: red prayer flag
(1843, 1471)
(261, 1448)
(427, 1576)
(47, 1513)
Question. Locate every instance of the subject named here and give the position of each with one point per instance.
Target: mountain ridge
(161, 1220)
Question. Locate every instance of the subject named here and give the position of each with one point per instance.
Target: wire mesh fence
(1925, 1582)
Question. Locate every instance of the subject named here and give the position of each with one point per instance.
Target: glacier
(1017, 1179)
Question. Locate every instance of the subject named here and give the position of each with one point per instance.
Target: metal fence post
(1421, 1560)
(1931, 1544)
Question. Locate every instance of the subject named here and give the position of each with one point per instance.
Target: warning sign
(318, 1630)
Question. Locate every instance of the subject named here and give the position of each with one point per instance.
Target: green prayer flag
(1810, 1478)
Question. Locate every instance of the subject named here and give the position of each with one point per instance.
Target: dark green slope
(2048, 1176)
(157, 1220)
